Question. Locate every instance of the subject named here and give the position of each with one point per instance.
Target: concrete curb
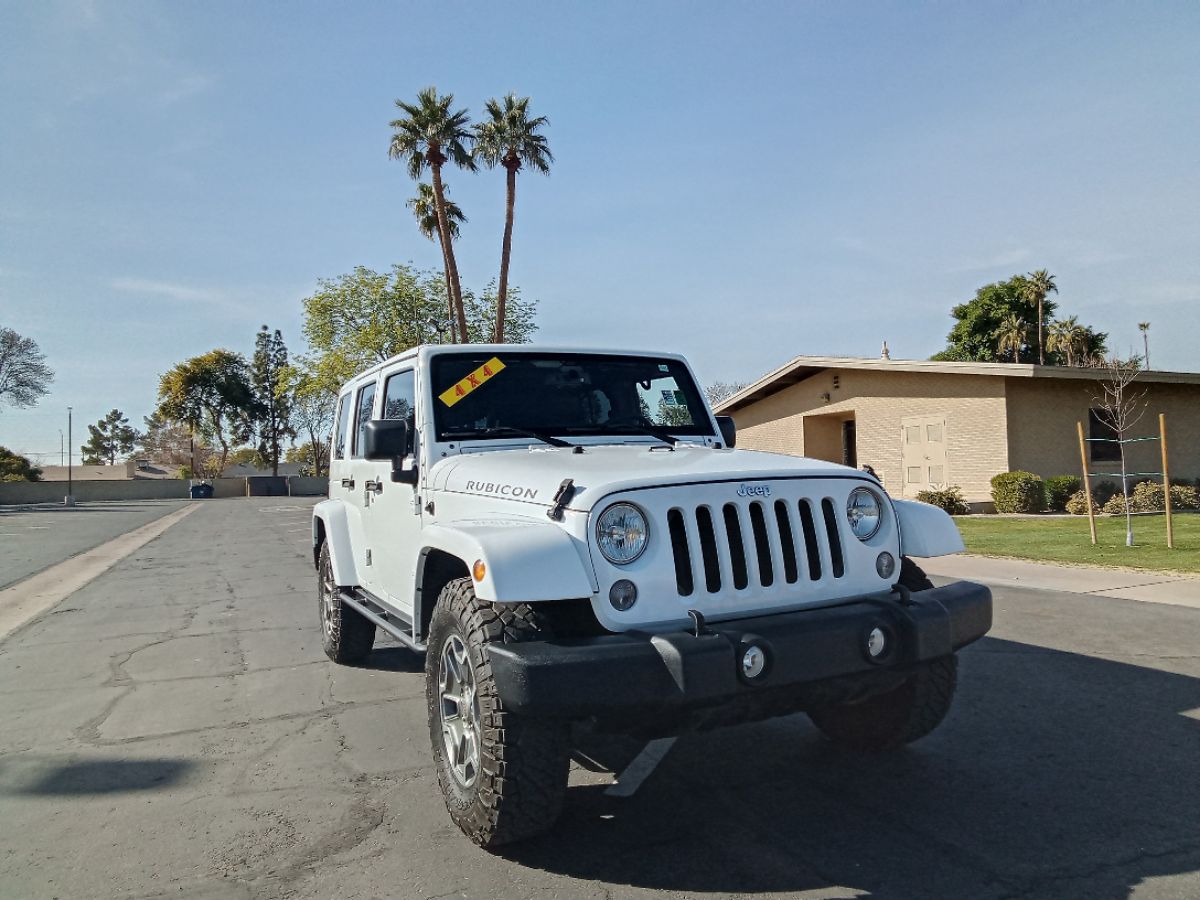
(1149, 587)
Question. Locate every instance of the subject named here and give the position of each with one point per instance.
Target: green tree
(1039, 285)
(109, 438)
(312, 415)
(212, 395)
(268, 372)
(510, 138)
(24, 376)
(977, 322)
(424, 207)
(429, 135)
(366, 317)
(1011, 335)
(1069, 340)
(481, 315)
(247, 456)
(14, 467)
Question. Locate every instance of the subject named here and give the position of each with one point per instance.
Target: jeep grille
(763, 541)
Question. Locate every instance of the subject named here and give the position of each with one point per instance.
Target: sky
(740, 182)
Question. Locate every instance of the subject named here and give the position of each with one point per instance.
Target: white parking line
(22, 601)
(641, 768)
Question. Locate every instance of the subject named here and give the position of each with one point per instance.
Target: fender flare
(329, 521)
(525, 560)
(926, 530)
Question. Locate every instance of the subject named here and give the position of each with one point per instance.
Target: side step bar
(390, 620)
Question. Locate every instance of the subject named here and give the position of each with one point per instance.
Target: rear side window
(400, 398)
(343, 427)
(366, 399)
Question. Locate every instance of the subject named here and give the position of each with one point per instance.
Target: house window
(933, 434)
(912, 434)
(936, 475)
(913, 474)
(1099, 426)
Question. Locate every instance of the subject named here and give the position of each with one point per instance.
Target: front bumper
(630, 676)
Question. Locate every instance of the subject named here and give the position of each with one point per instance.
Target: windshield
(481, 395)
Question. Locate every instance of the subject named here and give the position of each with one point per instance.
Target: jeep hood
(533, 474)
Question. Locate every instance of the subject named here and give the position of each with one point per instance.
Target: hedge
(1018, 492)
(950, 499)
(1060, 489)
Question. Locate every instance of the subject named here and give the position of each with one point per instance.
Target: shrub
(950, 499)
(1077, 505)
(1116, 505)
(14, 467)
(1059, 490)
(1103, 491)
(1019, 492)
(1147, 496)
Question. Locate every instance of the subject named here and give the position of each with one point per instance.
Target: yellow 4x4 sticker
(452, 395)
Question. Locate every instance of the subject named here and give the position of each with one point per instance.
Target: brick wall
(973, 405)
(1042, 434)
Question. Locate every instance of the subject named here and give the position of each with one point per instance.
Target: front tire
(904, 714)
(346, 637)
(503, 776)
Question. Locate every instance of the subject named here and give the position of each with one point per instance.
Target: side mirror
(728, 430)
(389, 439)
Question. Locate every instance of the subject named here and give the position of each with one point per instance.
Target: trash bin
(202, 491)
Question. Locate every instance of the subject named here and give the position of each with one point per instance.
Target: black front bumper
(624, 677)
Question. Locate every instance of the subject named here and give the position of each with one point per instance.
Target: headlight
(621, 533)
(863, 512)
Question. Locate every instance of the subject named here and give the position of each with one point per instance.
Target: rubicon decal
(754, 490)
(452, 395)
(517, 491)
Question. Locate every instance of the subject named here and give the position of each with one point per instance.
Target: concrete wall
(308, 486)
(1043, 439)
(973, 405)
(20, 492)
(54, 491)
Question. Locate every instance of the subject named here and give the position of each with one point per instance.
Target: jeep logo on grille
(754, 490)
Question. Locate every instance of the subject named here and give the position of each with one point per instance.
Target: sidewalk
(1150, 587)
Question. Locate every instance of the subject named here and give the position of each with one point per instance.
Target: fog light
(479, 570)
(877, 643)
(885, 564)
(754, 661)
(622, 595)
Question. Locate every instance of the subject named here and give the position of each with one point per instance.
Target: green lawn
(1066, 540)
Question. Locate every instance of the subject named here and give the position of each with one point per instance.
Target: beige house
(923, 424)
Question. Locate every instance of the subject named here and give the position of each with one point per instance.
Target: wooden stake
(1087, 487)
(1162, 439)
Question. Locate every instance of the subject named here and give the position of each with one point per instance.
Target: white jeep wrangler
(574, 539)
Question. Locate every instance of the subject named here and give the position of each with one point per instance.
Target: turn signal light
(479, 570)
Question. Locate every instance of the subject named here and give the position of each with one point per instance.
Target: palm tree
(510, 138)
(1068, 337)
(1012, 333)
(424, 207)
(428, 136)
(1144, 328)
(1040, 285)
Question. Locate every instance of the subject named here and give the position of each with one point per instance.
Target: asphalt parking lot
(173, 729)
(35, 537)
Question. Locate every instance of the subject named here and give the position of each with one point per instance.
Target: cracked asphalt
(173, 729)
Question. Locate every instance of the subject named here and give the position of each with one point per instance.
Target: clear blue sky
(743, 182)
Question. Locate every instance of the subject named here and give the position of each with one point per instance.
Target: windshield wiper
(649, 430)
(498, 430)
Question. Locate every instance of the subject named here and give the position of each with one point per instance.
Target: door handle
(348, 483)
(375, 487)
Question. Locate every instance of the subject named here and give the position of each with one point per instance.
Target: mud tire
(521, 780)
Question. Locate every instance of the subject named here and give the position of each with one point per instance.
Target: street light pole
(62, 450)
(69, 500)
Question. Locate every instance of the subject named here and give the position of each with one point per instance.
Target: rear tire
(346, 637)
(503, 776)
(903, 714)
